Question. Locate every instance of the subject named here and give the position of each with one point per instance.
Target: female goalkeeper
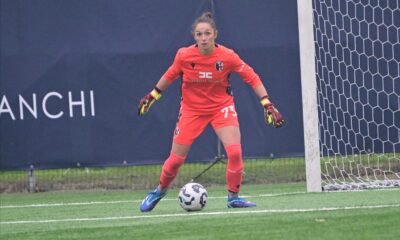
(206, 99)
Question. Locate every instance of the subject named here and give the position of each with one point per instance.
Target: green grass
(284, 211)
(257, 171)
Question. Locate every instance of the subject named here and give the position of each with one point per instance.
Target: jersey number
(228, 109)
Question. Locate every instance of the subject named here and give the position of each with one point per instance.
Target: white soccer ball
(193, 197)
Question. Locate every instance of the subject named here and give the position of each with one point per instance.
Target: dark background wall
(82, 67)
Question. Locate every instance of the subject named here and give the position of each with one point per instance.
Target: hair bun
(207, 15)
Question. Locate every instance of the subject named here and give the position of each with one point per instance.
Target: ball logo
(193, 197)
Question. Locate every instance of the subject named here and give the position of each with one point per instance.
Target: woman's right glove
(148, 100)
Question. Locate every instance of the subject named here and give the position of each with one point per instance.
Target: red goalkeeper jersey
(205, 77)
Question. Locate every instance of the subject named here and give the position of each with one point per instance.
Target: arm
(260, 91)
(155, 94)
(163, 84)
(271, 114)
(167, 79)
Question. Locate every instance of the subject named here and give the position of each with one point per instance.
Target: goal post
(350, 76)
(309, 95)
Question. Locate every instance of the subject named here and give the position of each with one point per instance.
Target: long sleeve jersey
(205, 78)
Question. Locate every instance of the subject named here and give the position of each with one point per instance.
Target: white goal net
(357, 56)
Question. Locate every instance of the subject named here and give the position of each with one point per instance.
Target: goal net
(357, 65)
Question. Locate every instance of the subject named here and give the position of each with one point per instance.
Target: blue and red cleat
(237, 202)
(151, 200)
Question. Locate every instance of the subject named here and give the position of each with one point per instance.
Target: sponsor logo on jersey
(205, 75)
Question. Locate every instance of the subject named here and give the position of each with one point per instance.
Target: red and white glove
(148, 100)
(271, 114)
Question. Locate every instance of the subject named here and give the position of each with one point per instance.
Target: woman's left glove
(271, 114)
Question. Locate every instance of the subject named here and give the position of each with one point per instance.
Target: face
(205, 36)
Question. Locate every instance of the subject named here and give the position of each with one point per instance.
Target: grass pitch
(284, 211)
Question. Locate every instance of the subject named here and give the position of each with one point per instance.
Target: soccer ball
(193, 197)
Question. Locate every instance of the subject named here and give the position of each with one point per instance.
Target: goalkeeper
(207, 99)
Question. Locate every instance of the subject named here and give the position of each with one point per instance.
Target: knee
(174, 161)
(234, 152)
(235, 163)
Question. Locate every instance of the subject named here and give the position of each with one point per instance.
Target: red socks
(170, 169)
(234, 170)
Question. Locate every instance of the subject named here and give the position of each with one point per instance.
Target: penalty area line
(192, 214)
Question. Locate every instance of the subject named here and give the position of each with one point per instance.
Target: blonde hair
(206, 17)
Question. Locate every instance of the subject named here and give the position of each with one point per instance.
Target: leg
(180, 149)
(230, 137)
(169, 171)
(187, 130)
(171, 165)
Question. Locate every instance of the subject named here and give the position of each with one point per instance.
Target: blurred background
(72, 74)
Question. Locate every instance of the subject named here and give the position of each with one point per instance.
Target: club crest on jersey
(219, 66)
(176, 131)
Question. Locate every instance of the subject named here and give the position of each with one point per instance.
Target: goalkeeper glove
(148, 100)
(271, 114)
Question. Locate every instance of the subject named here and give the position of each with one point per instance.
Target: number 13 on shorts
(229, 110)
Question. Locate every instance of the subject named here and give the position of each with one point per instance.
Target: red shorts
(190, 125)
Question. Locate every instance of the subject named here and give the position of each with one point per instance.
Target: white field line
(199, 214)
(62, 204)
(130, 201)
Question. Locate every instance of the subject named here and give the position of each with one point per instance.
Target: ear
(193, 35)
(216, 34)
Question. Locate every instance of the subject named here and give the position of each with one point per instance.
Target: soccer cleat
(151, 200)
(238, 202)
